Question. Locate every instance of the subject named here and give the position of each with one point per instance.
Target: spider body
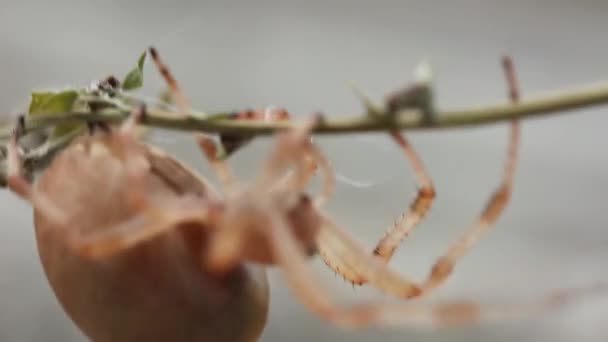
(157, 290)
(303, 221)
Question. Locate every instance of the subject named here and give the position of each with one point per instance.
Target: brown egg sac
(157, 290)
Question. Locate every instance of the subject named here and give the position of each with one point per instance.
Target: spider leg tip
(153, 52)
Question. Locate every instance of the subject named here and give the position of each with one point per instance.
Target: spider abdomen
(156, 290)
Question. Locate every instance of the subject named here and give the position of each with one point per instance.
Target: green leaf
(52, 102)
(48, 102)
(135, 77)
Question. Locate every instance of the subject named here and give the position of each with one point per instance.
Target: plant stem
(404, 120)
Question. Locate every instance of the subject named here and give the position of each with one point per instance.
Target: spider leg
(135, 163)
(291, 179)
(290, 257)
(149, 219)
(453, 312)
(320, 162)
(270, 114)
(226, 246)
(418, 208)
(18, 184)
(299, 180)
(460, 312)
(338, 258)
(348, 258)
(495, 205)
(206, 144)
(307, 165)
(129, 126)
(287, 149)
(311, 159)
(219, 166)
(145, 225)
(408, 220)
(180, 99)
(293, 147)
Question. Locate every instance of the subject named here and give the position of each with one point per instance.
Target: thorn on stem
(371, 108)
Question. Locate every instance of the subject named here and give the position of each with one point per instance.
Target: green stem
(405, 120)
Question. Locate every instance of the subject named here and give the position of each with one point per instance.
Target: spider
(341, 253)
(273, 221)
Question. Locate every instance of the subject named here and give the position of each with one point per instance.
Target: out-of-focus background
(232, 55)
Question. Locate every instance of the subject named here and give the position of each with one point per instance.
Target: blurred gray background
(231, 55)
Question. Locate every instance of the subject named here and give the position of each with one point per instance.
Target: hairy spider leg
(307, 287)
(345, 265)
(209, 147)
(226, 241)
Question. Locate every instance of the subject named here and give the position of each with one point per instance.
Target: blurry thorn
(371, 108)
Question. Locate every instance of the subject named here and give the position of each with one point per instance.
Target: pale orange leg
(319, 161)
(219, 166)
(205, 142)
(227, 242)
(309, 162)
(403, 226)
(309, 290)
(226, 245)
(180, 99)
(290, 148)
(135, 162)
(496, 204)
(150, 222)
(336, 256)
(220, 256)
(306, 163)
(297, 181)
(418, 208)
